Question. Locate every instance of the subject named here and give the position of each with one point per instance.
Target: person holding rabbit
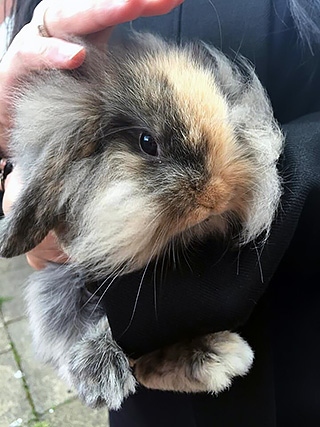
(267, 292)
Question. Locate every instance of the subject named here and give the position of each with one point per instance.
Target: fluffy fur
(206, 363)
(147, 144)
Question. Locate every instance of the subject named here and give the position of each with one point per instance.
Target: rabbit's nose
(216, 196)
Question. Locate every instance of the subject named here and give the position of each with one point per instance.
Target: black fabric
(284, 328)
(250, 402)
(271, 293)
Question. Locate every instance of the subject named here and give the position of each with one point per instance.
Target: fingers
(30, 51)
(47, 251)
(88, 16)
(158, 7)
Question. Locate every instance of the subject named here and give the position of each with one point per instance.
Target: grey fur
(71, 332)
(114, 208)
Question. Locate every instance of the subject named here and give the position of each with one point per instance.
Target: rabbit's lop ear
(32, 216)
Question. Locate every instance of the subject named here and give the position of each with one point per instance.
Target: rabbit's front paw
(227, 356)
(100, 371)
(208, 363)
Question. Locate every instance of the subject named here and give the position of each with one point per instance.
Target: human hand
(29, 51)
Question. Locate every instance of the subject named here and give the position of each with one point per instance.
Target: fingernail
(71, 51)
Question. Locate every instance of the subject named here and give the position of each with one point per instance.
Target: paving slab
(46, 388)
(14, 404)
(75, 414)
(13, 276)
(31, 382)
(4, 341)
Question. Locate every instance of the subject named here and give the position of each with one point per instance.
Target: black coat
(270, 294)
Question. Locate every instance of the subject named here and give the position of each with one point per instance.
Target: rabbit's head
(146, 145)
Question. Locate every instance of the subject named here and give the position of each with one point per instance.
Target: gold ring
(42, 28)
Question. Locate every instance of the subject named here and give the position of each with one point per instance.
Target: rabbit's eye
(148, 144)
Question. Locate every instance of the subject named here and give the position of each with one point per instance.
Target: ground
(31, 394)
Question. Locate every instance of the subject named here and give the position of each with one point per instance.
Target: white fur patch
(116, 227)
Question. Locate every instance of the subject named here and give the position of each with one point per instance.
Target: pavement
(31, 394)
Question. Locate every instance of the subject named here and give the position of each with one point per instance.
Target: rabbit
(145, 144)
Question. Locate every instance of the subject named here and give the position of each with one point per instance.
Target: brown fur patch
(205, 111)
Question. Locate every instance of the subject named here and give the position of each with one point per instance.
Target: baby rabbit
(142, 146)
